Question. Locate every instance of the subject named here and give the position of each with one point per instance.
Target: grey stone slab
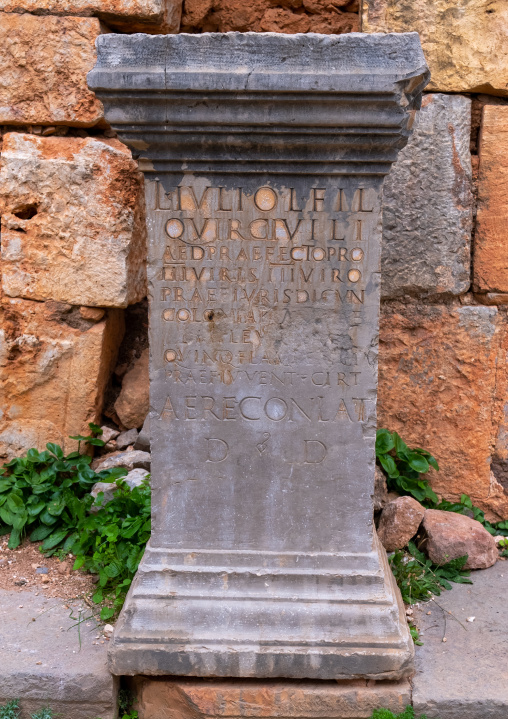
(263, 195)
(238, 61)
(127, 438)
(42, 664)
(129, 459)
(428, 204)
(466, 676)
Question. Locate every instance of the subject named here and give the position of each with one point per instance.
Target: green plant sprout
(408, 713)
(44, 713)
(47, 494)
(404, 466)
(419, 579)
(112, 542)
(10, 710)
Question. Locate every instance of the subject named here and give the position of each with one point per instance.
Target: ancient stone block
(491, 237)
(44, 62)
(54, 366)
(264, 286)
(72, 221)
(161, 16)
(261, 16)
(44, 662)
(230, 699)
(467, 676)
(465, 44)
(450, 535)
(442, 370)
(427, 204)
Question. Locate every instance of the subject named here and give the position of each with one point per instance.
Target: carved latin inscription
(259, 295)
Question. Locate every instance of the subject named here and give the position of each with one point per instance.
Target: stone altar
(264, 157)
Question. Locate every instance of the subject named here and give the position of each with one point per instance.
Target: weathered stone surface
(466, 44)
(261, 16)
(230, 699)
(54, 367)
(263, 349)
(108, 433)
(427, 204)
(72, 221)
(143, 440)
(44, 662)
(451, 535)
(130, 460)
(492, 298)
(490, 245)
(133, 401)
(467, 676)
(136, 477)
(130, 15)
(442, 370)
(478, 103)
(44, 63)
(127, 438)
(94, 314)
(380, 490)
(399, 522)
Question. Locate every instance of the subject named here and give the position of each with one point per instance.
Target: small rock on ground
(133, 479)
(108, 433)
(129, 460)
(126, 438)
(399, 522)
(451, 535)
(133, 401)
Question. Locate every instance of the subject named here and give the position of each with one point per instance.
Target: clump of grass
(419, 579)
(408, 713)
(10, 710)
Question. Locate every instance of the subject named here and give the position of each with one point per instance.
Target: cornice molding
(305, 104)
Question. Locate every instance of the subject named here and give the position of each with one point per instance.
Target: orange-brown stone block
(174, 698)
(44, 63)
(291, 16)
(156, 16)
(54, 366)
(490, 261)
(442, 382)
(72, 221)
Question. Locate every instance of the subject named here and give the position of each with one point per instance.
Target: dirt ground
(18, 572)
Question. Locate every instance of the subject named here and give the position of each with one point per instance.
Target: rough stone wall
(73, 242)
(443, 337)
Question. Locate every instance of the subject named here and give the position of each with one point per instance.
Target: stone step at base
(42, 663)
(175, 698)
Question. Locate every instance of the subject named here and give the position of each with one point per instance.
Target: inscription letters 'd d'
(263, 195)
